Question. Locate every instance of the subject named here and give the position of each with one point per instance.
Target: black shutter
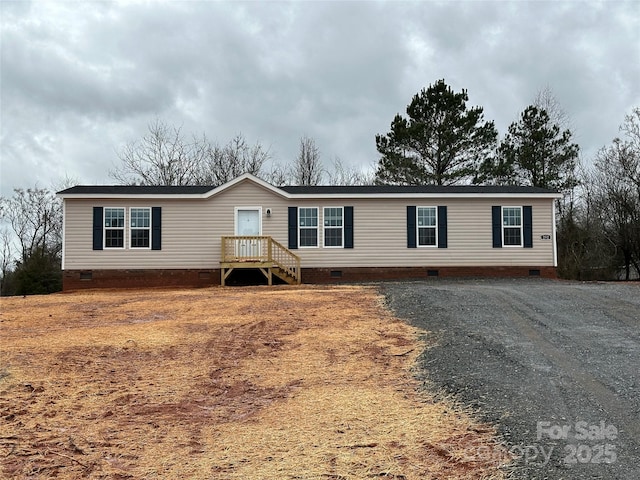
(442, 226)
(156, 228)
(293, 227)
(411, 227)
(527, 215)
(98, 218)
(348, 227)
(496, 223)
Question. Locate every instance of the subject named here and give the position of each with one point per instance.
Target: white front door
(248, 224)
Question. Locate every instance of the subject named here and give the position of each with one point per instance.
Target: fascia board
(132, 196)
(425, 195)
(307, 196)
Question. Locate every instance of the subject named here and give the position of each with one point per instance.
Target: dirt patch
(270, 383)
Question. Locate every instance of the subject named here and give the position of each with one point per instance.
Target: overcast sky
(79, 80)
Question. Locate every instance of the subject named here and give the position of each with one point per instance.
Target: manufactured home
(136, 236)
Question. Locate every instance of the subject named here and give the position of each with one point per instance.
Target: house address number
(545, 237)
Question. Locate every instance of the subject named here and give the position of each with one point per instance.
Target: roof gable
(247, 177)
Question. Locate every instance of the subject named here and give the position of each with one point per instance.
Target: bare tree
(341, 174)
(65, 182)
(584, 252)
(165, 157)
(35, 217)
(35, 220)
(222, 164)
(614, 186)
(630, 160)
(546, 100)
(6, 256)
(307, 169)
(277, 175)
(162, 157)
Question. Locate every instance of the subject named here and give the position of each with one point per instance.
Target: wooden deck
(261, 252)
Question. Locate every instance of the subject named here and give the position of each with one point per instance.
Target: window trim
(123, 228)
(317, 228)
(341, 228)
(521, 226)
(434, 227)
(149, 228)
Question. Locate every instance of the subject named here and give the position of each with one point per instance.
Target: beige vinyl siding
(191, 231)
(380, 235)
(186, 237)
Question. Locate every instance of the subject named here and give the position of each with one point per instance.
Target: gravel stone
(555, 365)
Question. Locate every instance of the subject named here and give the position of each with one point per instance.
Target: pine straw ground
(224, 383)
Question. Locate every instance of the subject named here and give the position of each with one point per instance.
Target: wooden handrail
(284, 259)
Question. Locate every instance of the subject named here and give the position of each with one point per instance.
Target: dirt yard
(224, 383)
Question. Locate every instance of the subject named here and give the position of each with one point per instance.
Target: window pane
(511, 217)
(333, 237)
(114, 217)
(512, 236)
(114, 238)
(308, 217)
(308, 220)
(426, 236)
(333, 217)
(308, 237)
(140, 217)
(140, 238)
(426, 216)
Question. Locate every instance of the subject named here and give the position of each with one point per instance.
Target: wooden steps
(261, 252)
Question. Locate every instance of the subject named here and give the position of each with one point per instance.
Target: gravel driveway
(554, 364)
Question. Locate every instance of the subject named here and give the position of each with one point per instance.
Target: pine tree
(534, 152)
(441, 142)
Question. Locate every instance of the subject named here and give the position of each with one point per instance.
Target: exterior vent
(88, 275)
(336, 273)
(534, 272)
(432, 273)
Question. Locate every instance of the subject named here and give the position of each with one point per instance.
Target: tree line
(30, 242)
(440, 140)
(165, 156)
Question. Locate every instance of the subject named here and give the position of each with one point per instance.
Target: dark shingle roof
(136, 190)
(309, 190)
(391, 189)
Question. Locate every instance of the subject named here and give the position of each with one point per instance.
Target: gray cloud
(81, 79)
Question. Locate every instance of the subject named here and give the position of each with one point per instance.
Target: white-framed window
(333, 226)
(140, 227)
(427, 223)
(114, 227)
(512, 226)
(308, 227)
